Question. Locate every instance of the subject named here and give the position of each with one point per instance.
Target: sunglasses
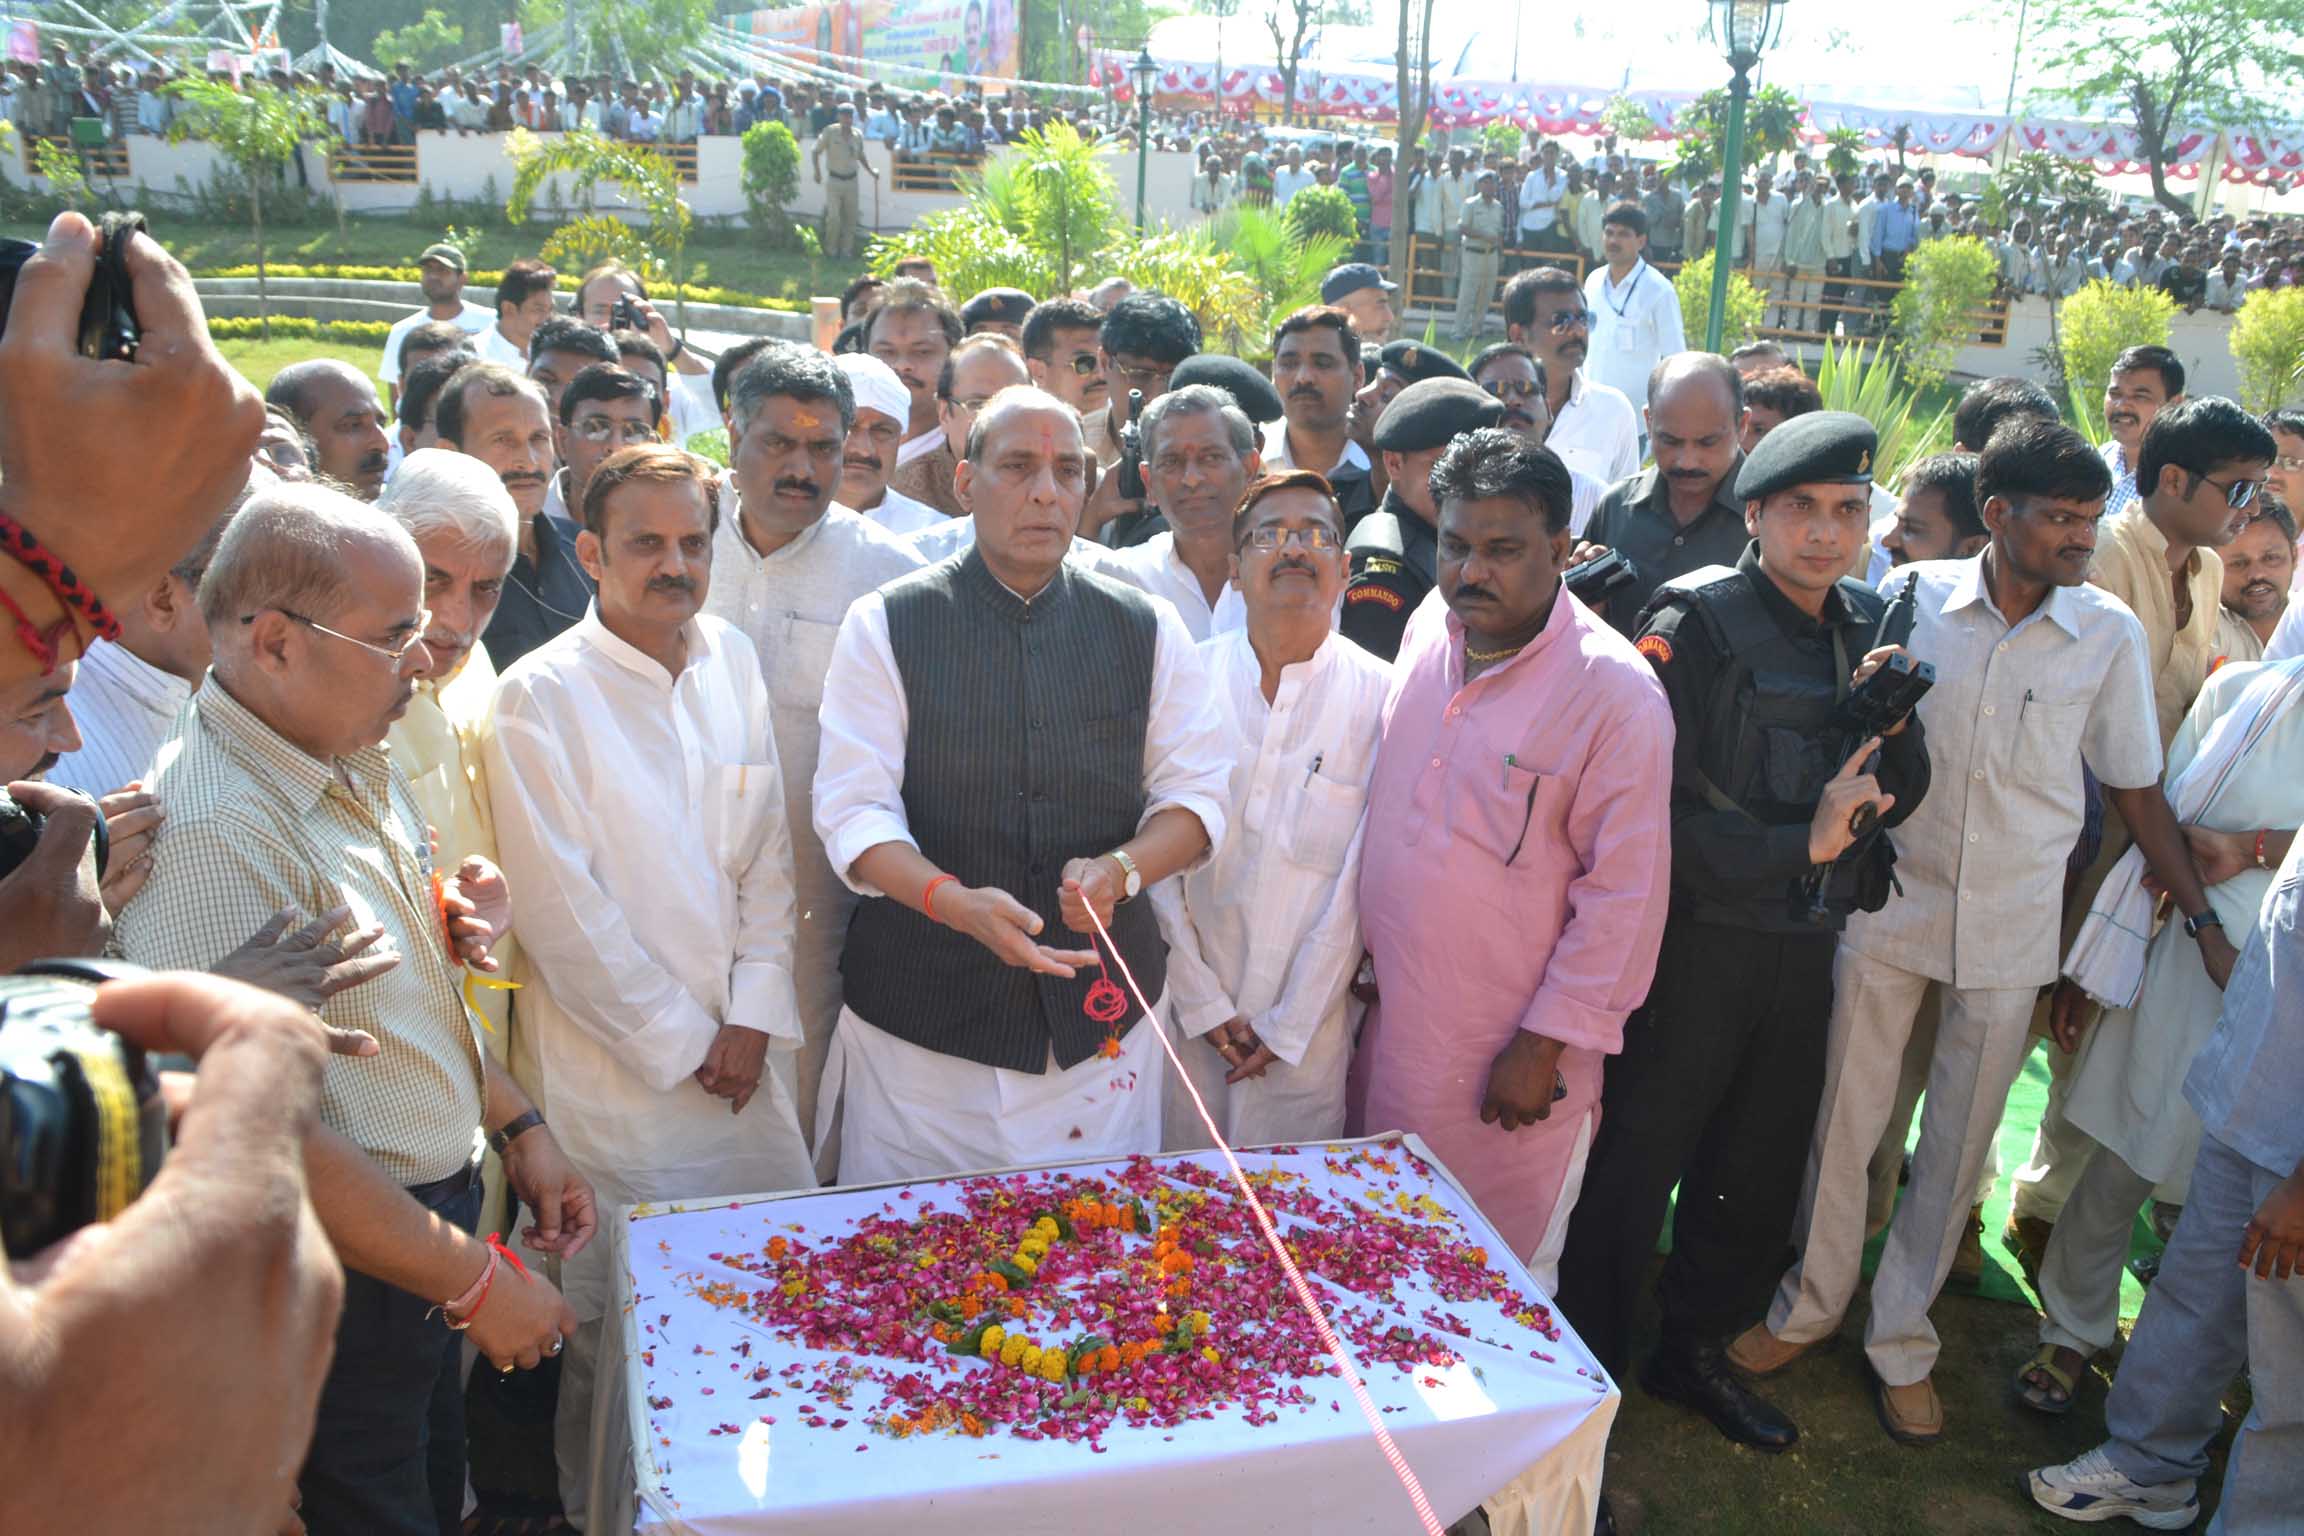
(1282, 538)
(1511, 389)
(2238, 495)
(1562, 319)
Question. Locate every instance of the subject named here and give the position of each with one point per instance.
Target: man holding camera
(2037, 675)
(1716, 1087)
(281, 795)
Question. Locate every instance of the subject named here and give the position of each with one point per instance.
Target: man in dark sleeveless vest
(1009, 740)
(1718, 1083)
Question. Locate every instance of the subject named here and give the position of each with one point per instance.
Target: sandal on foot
(2036, 1396)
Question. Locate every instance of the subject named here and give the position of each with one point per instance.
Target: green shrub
(1870, 383)
(1947, 284)
(771, 174)
(1693, 284)
(2267, 342)
(2096, 325)
(245, 327)
(1321, 211)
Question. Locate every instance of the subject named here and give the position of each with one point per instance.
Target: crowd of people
(644, 830)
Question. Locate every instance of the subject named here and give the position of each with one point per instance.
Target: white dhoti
(906, 1112)
(1296, 1102)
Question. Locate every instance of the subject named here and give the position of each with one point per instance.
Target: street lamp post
(1747, 29)
(1144, 71)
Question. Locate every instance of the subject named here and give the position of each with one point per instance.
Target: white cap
(876, 385)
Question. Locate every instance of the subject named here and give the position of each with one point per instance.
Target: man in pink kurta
(1515, 877)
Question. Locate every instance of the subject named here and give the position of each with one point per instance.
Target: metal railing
(373, 163)
(929, 173)
(1804, 306)
(98, 162)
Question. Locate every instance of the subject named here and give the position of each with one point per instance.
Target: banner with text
(948, 37)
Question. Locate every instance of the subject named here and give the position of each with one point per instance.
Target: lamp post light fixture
(1144, 71)
(1746, 29)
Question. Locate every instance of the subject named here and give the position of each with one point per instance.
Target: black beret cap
(995, 305)
(1430, 414)
(1416, 362)
(1822, 447)
(1250, 390)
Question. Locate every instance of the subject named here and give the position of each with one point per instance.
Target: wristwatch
(512, 1130)
(1131, 879)
(2205, 918)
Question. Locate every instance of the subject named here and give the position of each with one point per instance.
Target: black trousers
(1715, 1090)
(387, 1455)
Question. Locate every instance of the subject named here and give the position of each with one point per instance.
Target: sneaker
(2090, 1489)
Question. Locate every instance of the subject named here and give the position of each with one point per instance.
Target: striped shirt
(256, 824)
(126, 709)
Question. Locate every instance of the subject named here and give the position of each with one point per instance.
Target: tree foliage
(424, 44)
(771, 174)
(2100, 322)
(654, 35)
(258, 131)
(1319, 210)
(1947, 284)
(1291, 22)
(1692, 285)
(1628, 120)
(2035, 179)
(640, 177)
(1772, 120)
(2171, 66)
(2267, 342)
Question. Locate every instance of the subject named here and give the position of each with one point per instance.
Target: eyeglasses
(1082, 363)
(2238, 495)
(415, 636)
(1282, 538)
(601, 429)
(1511, 389)
(2290, 463)
(1564, 318)
(1149, 376)
(970, 406)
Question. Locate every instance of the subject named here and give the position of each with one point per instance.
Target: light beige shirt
(1481, 222)
(256, 824)
(2015, 712)
(2132, 564)
(2235, 641)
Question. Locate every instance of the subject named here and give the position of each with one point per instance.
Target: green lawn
(729, 258)
(259, 360)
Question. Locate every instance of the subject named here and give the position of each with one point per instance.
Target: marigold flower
(1053, 1365)
(1199, 1321)
(1108, 1359)
(1029, 1359)
(989, 1345)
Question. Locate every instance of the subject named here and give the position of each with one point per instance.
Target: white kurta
(126, 709)
(2127, 1081)
(900, 514)
(1153, 566)
(640, 817)
(1269, 930)
(789, 604)
(908, 1112)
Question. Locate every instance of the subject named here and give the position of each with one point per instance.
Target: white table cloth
(1518, 1420)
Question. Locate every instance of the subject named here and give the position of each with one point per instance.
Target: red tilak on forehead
(808, 420)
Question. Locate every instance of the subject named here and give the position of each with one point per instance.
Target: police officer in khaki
(1394, 550)
(844, 144)
(1480, 231)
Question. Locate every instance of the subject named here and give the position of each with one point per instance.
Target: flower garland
(1053, 1305)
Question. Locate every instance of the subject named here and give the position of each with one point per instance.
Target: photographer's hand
(311, 965)
(118, 519)
(212, 1300)
(50, 905)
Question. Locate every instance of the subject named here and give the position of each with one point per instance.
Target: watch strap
(1133, 877)
(2205, 918)
(512, 1130)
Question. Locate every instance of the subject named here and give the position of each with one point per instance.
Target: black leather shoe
(1699, 1377)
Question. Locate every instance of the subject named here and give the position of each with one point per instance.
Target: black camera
(108, 329)
(626, 315)
(1130, 467)
(83, 1129)
(1600, 577)
(20, 828)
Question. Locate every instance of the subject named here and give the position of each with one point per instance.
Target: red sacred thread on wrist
(928, 896)
(76, 595)
(2261, 834)
(496, 1245)
(461, 1311)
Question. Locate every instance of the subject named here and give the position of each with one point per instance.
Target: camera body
(20, 828)
(108, 330)
(83, 1129)
(1597, 579)
(626, 315)
(1130, 468)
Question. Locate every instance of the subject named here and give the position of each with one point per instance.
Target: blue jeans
(2204, 1319)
